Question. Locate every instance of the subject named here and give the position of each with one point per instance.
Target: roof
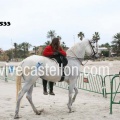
(102, 48)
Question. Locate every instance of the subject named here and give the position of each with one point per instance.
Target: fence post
(6, 67)
(116, 91)
(111, 86)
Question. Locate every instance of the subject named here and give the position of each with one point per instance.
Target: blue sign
(11, 69)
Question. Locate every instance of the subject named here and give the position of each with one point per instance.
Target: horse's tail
(19, 75)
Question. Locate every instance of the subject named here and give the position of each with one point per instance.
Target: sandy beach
(88, 106)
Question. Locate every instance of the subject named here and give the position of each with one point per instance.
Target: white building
(102, 49)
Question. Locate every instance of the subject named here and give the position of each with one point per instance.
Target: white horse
(38, 64)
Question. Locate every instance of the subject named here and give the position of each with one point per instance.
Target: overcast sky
(32, 19)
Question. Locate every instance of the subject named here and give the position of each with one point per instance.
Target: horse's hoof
(16, 117)
(39, 112)
(70, 111)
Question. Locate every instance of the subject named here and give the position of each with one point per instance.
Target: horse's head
(88, 47)
(92, 49)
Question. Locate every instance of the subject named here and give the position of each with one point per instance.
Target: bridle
(91, 56)
(93, 53)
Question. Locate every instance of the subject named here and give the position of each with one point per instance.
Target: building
(102, 49)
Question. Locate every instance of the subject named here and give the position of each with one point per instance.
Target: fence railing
(115, 99)
(91, 82)
(107, 84)
(86, 81)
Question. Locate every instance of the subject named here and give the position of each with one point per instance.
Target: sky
(32, 19)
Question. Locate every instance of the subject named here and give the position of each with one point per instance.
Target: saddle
(62, 61)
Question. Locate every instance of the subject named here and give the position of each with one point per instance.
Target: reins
(79, 59)
(93, 54)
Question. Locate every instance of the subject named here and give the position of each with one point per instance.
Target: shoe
(51, 93)
(45, 93)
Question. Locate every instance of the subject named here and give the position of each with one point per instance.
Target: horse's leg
(76, 92)
(20, 95)
(71, 87)
(29, 97)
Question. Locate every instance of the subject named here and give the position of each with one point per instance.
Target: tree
(116, 43)
(36, 48)
(96, 37)
(81, 35)
(15, 45)
(59, 37)
(1, 51)
(9, 53)
(47, 43)
(23, 49)
(63, 45)
(106, 53)
(107, 45)
(51, 34)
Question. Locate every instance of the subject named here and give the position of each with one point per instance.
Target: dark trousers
(45, 85)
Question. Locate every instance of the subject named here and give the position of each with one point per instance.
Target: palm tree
(23, 48)
(59, 37)
(47, 43)
(63, 45)
(116, 43)
(36, 48)
(15, 45)
(81, 35)
(51, 34)
(96, 37)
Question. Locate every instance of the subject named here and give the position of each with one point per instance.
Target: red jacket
(48, 51)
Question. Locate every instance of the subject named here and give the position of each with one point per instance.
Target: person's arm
(62, 52)
(47, 51)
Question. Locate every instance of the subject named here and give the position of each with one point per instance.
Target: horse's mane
(77, 49)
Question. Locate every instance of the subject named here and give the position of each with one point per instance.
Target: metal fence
(114, 90)
(107, 84)
(86, 81)
(91, 82)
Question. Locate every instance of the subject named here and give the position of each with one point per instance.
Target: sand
(88, 106)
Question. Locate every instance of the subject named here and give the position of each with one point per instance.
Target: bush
(105, 53)
(4, 58)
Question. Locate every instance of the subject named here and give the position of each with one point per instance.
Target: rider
(54, 50)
